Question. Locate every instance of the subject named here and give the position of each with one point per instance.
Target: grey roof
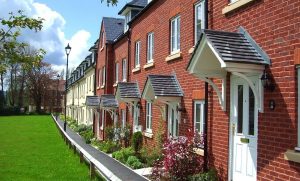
(114, 27)
(109, 101)
(95, 46)
(129, 90)
(92, 101)
(165, 85)
(135, 3)
(234, 47)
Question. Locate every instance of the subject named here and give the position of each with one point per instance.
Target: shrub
(87, 135)
(211, 175)
(109, 146)
(125, 135)
(123, 154)
(179, 160)
(110, 133)
(137, 141)
(134, 162)
(150, 155)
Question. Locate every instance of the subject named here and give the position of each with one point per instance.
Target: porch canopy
(92, 101)
(163, 88)
(128, 92)
(109, 104)
(219, 52)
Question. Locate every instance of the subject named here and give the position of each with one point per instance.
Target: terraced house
(226, 69)
(81, 84)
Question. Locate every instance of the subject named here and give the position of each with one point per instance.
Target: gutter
(206, 101)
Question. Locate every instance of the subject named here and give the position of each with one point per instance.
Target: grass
(31, 148)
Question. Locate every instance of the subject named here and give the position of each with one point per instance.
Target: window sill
(199, 151)
(191, 50)
(102, 87)
(173, 56)
(233, 6)
(149, 135)
(292, 155)
(148, 65)
(101, 49)
(98, 88)
(115, 84)
(136, 69)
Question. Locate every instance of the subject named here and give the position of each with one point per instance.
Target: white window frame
(150, 47)
(103, 76)
(123, 112)
(175, 46)
(148, 117)
(124, 70)
(116, 72)
(102, 42)
(298, 108)
(202, 18)
(127, 19)
(201, 121)
(99, 78)
(137, 62)
(102, 119)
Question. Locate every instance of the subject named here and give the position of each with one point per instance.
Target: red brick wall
(157, 19)
(275, 26)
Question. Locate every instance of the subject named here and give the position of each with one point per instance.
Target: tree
(11, 49)
(111, 2)
(40, 78)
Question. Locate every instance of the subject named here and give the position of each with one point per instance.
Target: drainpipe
(206, 100)
(298, 74)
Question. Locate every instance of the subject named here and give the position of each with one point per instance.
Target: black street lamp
(68, 50)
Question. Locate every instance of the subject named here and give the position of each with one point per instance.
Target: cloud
(52, 37)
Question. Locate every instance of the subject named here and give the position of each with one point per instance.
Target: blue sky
(67, 21)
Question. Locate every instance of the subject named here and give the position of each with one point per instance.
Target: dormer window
(127, 19)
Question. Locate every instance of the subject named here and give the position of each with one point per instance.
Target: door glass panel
(240, 109)
(251, 112)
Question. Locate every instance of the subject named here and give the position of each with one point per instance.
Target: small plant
(134, 162)
(109, 146)
(125, 135)
(211, 175)
(137, 141)
(87, 135)
(150, 155)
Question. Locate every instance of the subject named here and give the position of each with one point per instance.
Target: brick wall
(275, 26)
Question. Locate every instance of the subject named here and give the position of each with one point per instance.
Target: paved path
(119, 170)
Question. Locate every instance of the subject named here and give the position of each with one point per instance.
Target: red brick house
(236, 81)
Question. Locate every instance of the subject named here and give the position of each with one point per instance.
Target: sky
(65, 21)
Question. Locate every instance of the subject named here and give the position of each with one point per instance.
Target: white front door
(135, 118)
(243, 123)
(173, 125)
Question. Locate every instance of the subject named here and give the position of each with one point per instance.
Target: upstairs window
(127, 19)
(102, 42)
(103, 76)
(137, 54)
(99, 78)
(175, 35)
(199, 20)
(150, 47)
(124, 70)
(116, 73)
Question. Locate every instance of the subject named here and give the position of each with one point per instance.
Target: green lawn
(31, 148)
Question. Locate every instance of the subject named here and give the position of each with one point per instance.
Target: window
(127, 19)
(102, 42)
(150, 47)
(123, 118)
(175, 35)
(99, 78)
(116, 73)
(199, 116)
(199, 20)
(124, 70)
(102, 119)
(148, 117)
(137, 53)
(103, 76)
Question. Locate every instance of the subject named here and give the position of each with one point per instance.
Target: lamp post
(57, 96)
(68, 50)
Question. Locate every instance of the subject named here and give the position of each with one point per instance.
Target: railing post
(92, 170)
(74, 147)
(81, 156)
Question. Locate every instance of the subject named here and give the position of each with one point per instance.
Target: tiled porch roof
(128, 90)
(109, 101)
